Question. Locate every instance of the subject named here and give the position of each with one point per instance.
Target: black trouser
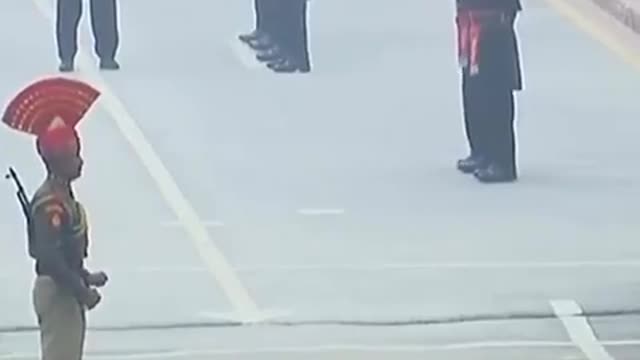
(269, 15)
(285, 21)
(489, 112)
(103, 23)
(293, 37)
(259, 9)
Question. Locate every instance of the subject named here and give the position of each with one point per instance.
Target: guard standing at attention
(58, 229)
(491, 73)
(104, 23)
(281, 36)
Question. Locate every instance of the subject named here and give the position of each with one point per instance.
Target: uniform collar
(60, 184)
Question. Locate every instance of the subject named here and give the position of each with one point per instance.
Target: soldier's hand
(93, 299)
(98, 279)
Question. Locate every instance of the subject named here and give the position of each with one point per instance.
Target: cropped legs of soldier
(260, 38)
(104, 26)
(274, 24)
(293, 39)
(61, 319)
(281, 42)
(489, 124)
(491, 74)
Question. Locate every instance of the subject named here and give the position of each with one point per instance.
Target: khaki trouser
(61, 320)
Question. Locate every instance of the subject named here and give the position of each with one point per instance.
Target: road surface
(247, 215)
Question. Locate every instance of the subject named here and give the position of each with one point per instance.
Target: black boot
(261, 43)
(66, 66)
(286, 66)
(495, 173)
(109, 64)
(247, 38)
(470, 164)
(269, 55)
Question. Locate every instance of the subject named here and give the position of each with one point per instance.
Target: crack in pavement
(513, 316)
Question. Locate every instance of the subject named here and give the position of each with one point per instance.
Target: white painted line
(161, 269)
(313, 212)
(566, 308)
(579, 330)
(613, 343)
(187, 354)
(577, 265)
(489, 266)
(207, 223)
(409, 348)
(244, 306)
(266, 315)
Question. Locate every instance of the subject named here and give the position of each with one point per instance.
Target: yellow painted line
(597, 32)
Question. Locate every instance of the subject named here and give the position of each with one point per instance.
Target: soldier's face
(74, 167)
(69, 164)
(74, 163)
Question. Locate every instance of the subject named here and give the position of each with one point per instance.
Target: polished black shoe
(247, 38)
(66, 66)
(470, 164)
(109, 64)
(495, 174)
(269, 55)
(261, 43)
(286, 66)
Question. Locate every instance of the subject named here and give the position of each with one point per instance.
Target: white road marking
(310, 349)
(575, 265)
(414, 266)
(579, 330)
(486, 266)
(355, 348)
(264, 315)
(245, 307)
(207, 223)
(313, 212)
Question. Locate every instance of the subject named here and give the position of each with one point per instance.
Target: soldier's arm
(48, 238)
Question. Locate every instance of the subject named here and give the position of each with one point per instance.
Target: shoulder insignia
(53, 208)
(56, 220)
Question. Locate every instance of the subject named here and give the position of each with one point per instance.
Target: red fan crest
(35, 107)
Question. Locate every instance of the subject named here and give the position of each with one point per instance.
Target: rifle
(20, 194)
(24, 204)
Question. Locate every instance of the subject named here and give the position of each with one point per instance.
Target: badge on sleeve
(56, 221)
(55, 213)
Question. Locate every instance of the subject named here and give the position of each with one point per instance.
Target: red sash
(471, 25)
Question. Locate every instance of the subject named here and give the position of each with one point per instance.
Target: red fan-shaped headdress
(50, 109)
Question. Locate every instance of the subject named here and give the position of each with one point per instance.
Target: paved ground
(403, 243)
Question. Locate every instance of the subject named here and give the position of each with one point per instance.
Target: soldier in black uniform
(491, 73)
(281, 38)
(104, 24)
